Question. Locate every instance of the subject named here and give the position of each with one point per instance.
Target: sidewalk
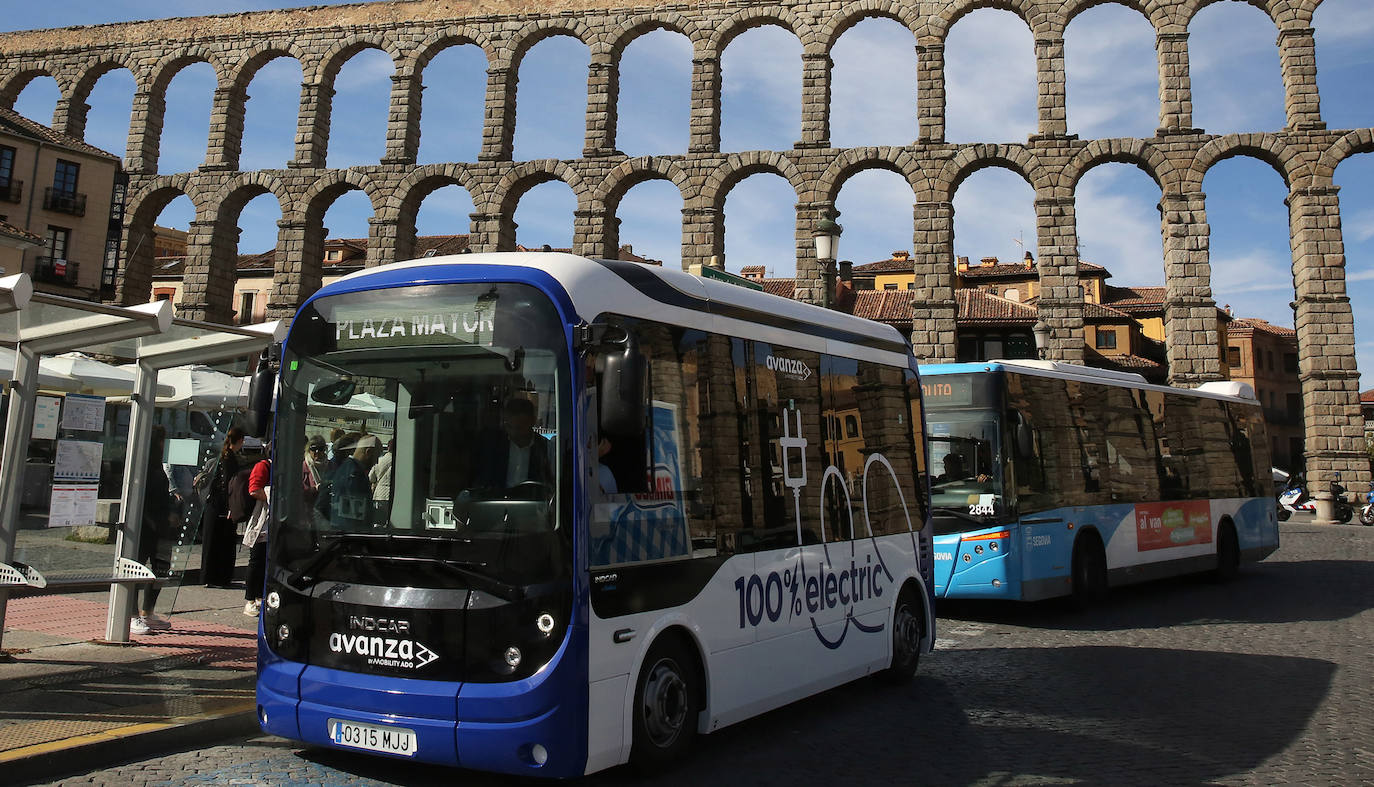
(69, 703)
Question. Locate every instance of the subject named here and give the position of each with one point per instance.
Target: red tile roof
(889, 306)
(782, 287)
(10, 231)
(1367, 396)
(1134, 300)
(976, 306)
(1099, 313)
(12, 122)
(1250, 324)
(1126, 363)
(1015, 269)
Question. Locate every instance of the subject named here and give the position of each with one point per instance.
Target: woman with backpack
(255, 535)
(220, 531)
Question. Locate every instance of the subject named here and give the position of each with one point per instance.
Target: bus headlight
(512, 657)
(273, 600)
(283, 632)
(545, 624)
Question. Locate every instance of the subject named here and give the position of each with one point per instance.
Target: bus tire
(1089, 571)
(1228, 553)
(667, 704)
(908, 629)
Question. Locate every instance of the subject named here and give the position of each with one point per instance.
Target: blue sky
(1112, 91)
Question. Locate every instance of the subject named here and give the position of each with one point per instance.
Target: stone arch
(973, 158)
(1288, 162)
(327, 67)
(633, 172)
(642, 24)
(404, 202)
(316, 201)
(852, 162)
(739, 166)
(1028, 11)
(161, 74)
(841, 21)
(92, 73)
(505, 198)
(222, 269)
(1155, 15)
(142, 208)
(747, 19)
(1353, 143)
(1150, 159)
(243, 73)
(257, 183)
(531, 34)
(416, 62)
(1278, 11)
(20, 79)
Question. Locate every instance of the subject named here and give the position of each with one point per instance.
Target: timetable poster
(83, 413)
(46, 413)
(73, 505)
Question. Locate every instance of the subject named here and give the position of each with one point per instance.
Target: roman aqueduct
(1304, 152)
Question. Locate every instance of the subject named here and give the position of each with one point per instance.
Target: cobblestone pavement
(1267, 680)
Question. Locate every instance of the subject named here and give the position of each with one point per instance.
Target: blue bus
(1050, 479)
(541, 515)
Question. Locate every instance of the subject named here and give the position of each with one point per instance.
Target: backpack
(240, 504)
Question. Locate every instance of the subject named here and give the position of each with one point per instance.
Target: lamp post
(1042, 338)
(827, 238)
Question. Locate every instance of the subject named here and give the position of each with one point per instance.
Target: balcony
(13, 191)
(56, 271)
(64, 202)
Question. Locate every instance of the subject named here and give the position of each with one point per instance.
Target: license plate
(373, 737)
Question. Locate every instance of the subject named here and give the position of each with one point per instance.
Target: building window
(164, 293)
(58, 239)
(64, 178)
(333, 256)
(851, 426)
(1233, 357)
(1294, 407)
(1106, 340)
(6, 165)
(890, 286)
(1269, 360)
(245, 314)
(1290, 363)
(911, 285)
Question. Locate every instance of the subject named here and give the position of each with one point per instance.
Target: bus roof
(1229, 390)
(652, 292)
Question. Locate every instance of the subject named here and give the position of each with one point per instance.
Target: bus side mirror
(622, 389)
(262, 388)
(1025, 441)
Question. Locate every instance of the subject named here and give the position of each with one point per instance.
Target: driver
(518, 455)
(955, 471)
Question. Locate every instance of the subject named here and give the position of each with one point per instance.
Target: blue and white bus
(539, 514)
(1049, 479)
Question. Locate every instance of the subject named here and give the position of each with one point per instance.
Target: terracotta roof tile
(1127, 363)
(1243, 324)
(782, 287)
(1134, 299)
(976, 306)
(1096, 311)
(11, 231)
(1367, 396)
(14, 123)
(889, 306)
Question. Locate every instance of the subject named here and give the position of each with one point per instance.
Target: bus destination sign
(948, 390)
(473, 325)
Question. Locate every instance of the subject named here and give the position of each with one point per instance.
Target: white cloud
(761, 91)
(1112, 74)
(873, 86)
(1234, 67)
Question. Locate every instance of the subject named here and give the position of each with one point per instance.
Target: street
(1266, 680)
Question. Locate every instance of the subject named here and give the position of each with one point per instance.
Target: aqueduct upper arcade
(1304, 152)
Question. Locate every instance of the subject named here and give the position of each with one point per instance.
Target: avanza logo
(788, 366)
(383, 651)
(817, 583)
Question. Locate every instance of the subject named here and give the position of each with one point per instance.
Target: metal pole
(141, 404)
(18, 431)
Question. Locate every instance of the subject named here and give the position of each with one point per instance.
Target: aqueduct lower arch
(1304, 151)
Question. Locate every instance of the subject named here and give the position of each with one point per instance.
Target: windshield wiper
(463, 569)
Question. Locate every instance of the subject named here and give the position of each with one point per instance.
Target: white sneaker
(138, 626)
(252, 608)
(156, 623)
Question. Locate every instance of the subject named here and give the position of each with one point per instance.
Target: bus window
(888, 492)
(651, 502)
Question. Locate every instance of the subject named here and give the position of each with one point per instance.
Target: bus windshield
(420, 441)
(966, 471)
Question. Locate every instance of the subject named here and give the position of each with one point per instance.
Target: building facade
(70, 195)
(1266, 356)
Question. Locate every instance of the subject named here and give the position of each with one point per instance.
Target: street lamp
(1042, 338)
(827, 238)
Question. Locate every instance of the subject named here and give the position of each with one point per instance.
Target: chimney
(901, 255)
(988, 261)
(847, 271)
(962, 264)
(1029, 261)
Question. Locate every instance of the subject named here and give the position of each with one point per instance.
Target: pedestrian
(153, 549)
(380, 477)
(255, 535)
(217, 545)
(314, 469)
(348, 504)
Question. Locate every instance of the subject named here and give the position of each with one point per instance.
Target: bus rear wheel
(1089, 572)
(666, 705)
(908, 629)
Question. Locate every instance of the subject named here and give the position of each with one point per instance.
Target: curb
(99, 750)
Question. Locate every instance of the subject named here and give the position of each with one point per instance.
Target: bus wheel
(666, 704)
(1228, 553)
(908, 629)
(1089, 572)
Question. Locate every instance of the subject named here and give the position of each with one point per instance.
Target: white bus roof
(1225, 389)
(652, 292)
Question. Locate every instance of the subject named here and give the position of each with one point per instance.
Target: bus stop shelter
(38, 325)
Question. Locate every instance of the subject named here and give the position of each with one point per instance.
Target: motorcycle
(1294, 498)
(1367, 513)
(1341, 510)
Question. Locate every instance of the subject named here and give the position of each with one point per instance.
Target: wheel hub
(665, 704)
